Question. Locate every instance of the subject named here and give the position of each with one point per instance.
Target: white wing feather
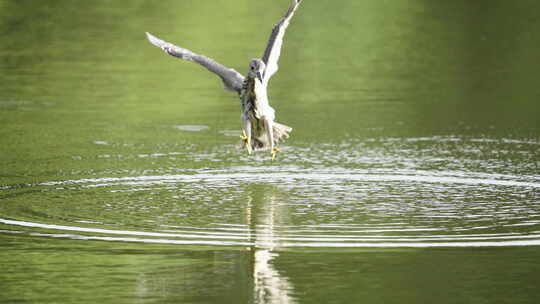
(273, 48)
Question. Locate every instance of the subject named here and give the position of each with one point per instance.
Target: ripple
(286, 206)
(333, 174)
(247, 239)
(231, 133)
(192, 128)
(377, 192)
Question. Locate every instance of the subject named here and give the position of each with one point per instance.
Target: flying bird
(259, 130)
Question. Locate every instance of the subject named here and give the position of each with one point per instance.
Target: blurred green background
(83, 94)
(77, 72)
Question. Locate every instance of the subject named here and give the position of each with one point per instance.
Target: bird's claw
(244, 137)
(274, 152)
(245, 140)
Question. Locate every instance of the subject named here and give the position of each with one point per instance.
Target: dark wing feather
(231, 78)
(273, 48)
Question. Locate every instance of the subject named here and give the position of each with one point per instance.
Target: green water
(411, 175)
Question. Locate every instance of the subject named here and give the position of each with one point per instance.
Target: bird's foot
(274, 152)
(245, 141)
(244, 137)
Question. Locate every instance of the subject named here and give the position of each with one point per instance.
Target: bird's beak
(259, 76)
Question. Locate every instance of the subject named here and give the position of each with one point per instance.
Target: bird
(260, 131)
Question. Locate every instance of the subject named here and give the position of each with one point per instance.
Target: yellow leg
(274, 151)
(246, 141)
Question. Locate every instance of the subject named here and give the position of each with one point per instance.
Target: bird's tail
(281, 132)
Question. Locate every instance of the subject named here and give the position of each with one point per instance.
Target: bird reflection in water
(263, 215)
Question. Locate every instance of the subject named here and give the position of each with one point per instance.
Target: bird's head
(256, 69)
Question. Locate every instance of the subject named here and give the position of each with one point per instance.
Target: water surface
(411, 174)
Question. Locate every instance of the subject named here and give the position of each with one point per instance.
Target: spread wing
(273, 48)
(231, 79)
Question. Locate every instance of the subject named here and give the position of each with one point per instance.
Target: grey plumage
(231, 79)
(260, 130)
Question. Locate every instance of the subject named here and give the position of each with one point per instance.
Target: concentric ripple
(388, 195)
